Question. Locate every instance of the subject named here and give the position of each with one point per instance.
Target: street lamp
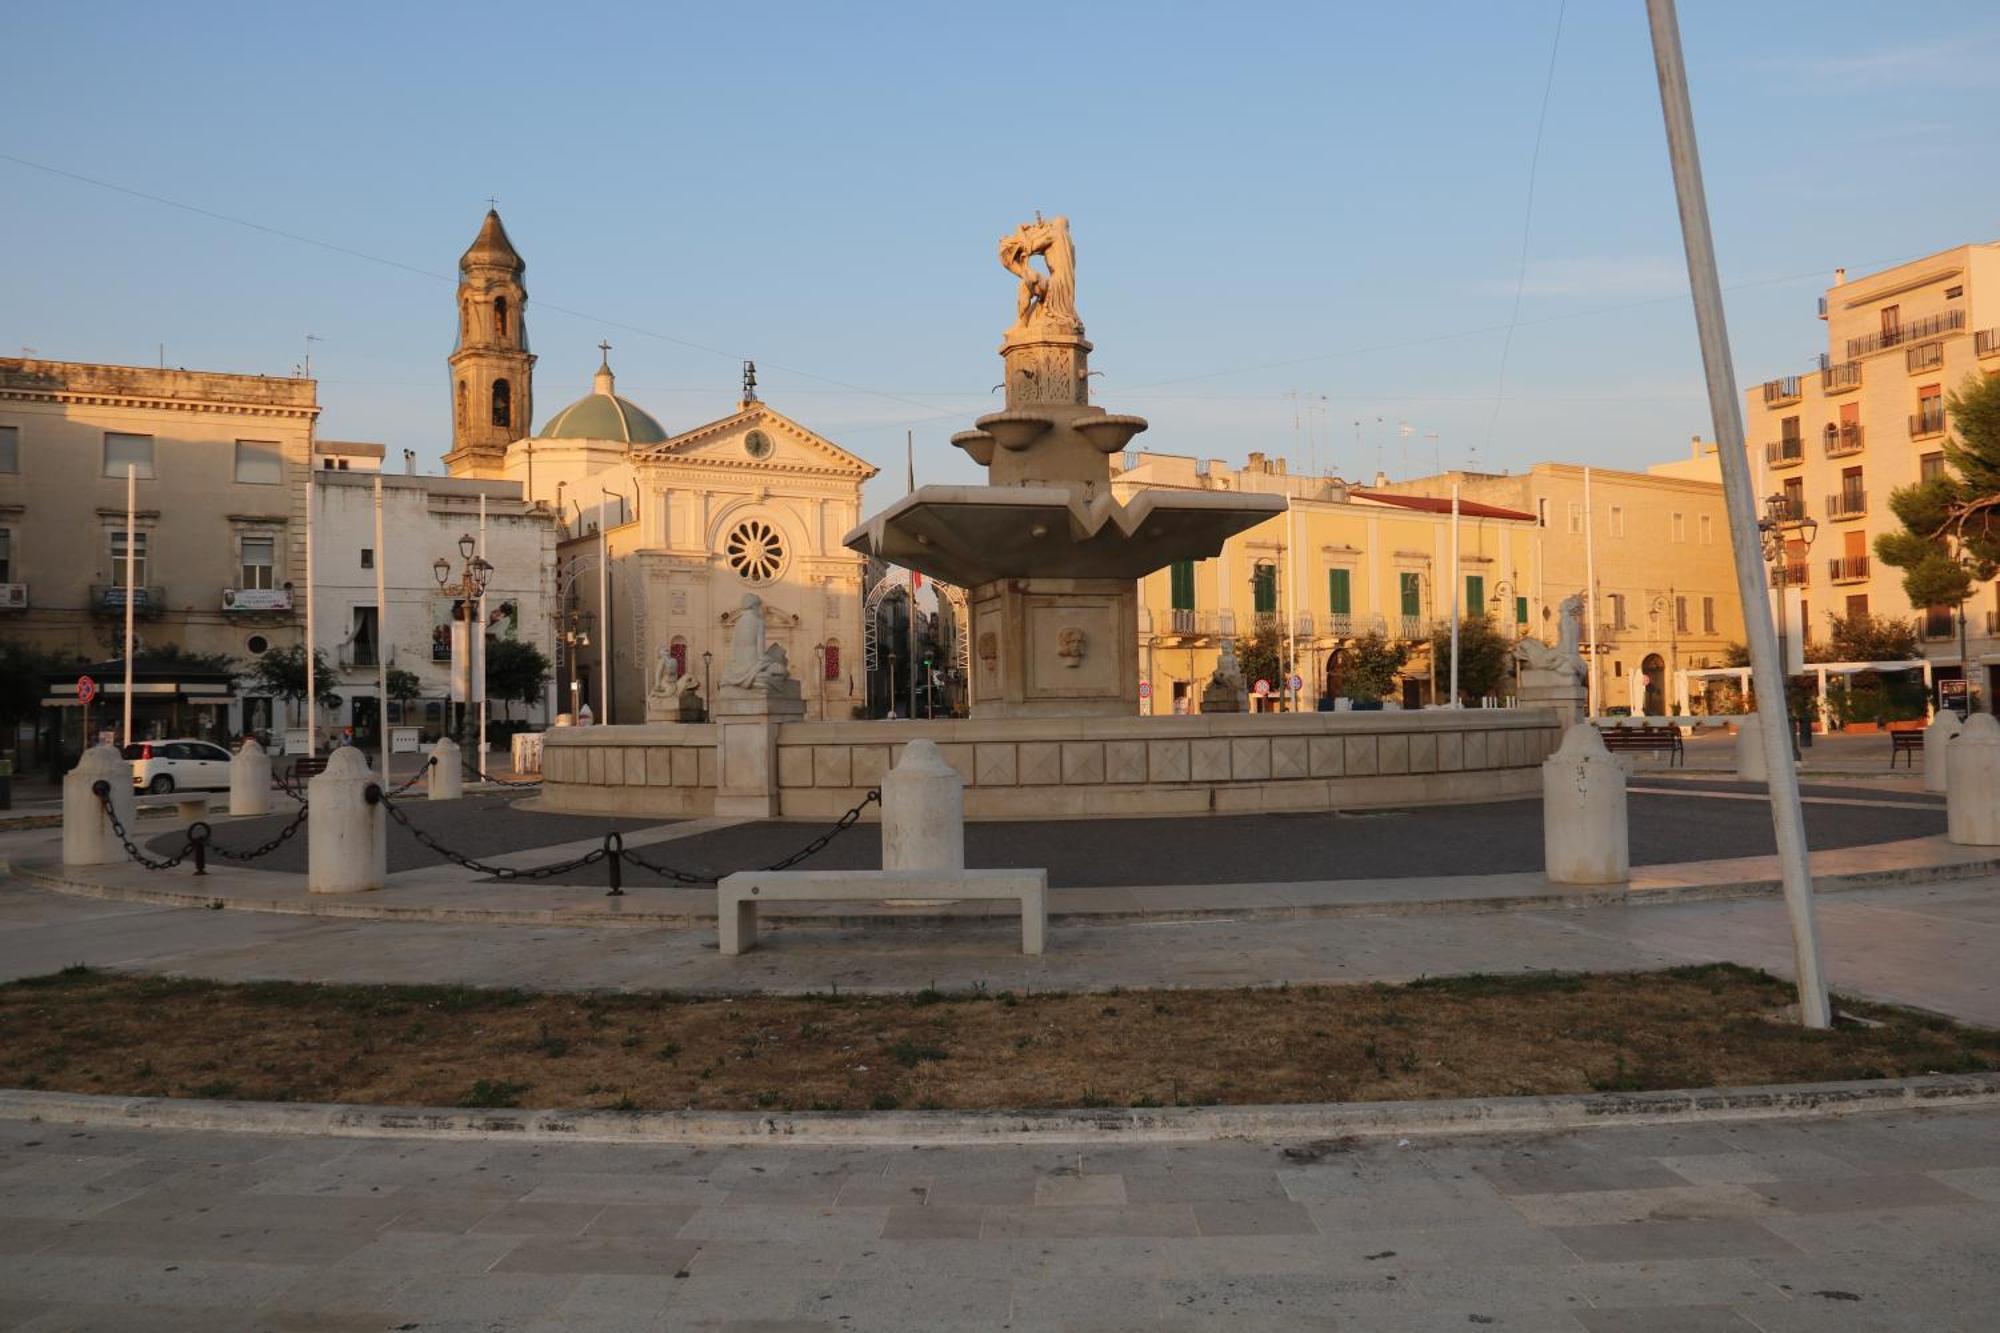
(1782, 525)
(819, 656)
(1503, 615)
(572, 636)
(465, 592)
(706, 658)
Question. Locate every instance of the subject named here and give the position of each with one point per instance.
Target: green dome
(603, 415)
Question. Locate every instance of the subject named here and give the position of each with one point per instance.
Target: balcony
(1838, 376)
(1843, 440)
(1340, 624)
(1930, 421)
(1411, 627)
(1986, 342)
(1848, 502)
(1788, 452)
(13, 596)
(1781, 392)
(1848, 569)
(1795, 574)
(109, 599)
(242, 601)
(1924, 356)
(1937, 625)
(1931, 326)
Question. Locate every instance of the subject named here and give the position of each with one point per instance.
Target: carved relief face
(1069, 646)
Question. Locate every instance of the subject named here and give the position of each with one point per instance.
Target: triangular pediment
(792, 448)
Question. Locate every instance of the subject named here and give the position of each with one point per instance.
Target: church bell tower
(492, 370)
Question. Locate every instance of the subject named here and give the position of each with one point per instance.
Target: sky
(1298, 228)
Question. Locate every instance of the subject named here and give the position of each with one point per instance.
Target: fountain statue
(1049, 559)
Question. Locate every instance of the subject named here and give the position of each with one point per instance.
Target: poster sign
(1950, 693)
(256, 599)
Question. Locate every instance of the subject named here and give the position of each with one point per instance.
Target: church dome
(602, 415)
(492, 248)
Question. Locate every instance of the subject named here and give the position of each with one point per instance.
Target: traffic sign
(1145, 689)
(1298, 682)
(1262, 687)
(86, 689)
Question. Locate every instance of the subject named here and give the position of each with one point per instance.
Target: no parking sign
(1145, 689)
(86, 689)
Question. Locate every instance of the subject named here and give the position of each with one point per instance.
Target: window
(1617, 520)
(258, 463)
(678, 650)
(1681, 614)
(503, 403)
(1857, 605)
(1520, 610)
(1542, 512)
(1937, 621)
(461, 404)
(831, 670)
(1892, 323)
(1953, 293)
(755, 550)
(121, 451)
(118, 558)
(1795, 497)
(1180, 575)
(1340, 591)
(1708, 615)
(1930, 466)
(500, 316)
(1617, 600)
(1788, 429)
(364, 636)
(6, 556)
(1575, 517)
(10, 449)
(260, 556)
(368, 557)
(257, 644)
(1264, 589)
(1475, 595)
(1707, 530)
(1413, 594)
(1677, 528)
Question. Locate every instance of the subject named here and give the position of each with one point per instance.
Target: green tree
(281, 673)
(1484, 656)
(516, 671)
(405, 688)
(1258, 655)
(173, 657)
(1865, 638)
(1369, 665)
(1950, 540)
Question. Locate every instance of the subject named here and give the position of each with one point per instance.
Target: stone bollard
(347, 836)
(1937, 737)
(446, 779)
(1750, 749)
(923, 812)
(1585, 835)
(87, 837)
(1972, 783)
(250, 780)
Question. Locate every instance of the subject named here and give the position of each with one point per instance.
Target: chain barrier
(472, 771)
(846, 821)
(193, 845)
(283, 836)
(430, 762)
(499, 872)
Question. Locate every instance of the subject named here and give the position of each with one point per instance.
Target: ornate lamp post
(706, 658)
(1777, 530)
(572, 637)
(465, 591)
(1503, 620)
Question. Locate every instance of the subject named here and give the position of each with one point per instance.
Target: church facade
(661, 534)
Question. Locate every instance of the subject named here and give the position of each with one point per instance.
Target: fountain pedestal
(1046, 647)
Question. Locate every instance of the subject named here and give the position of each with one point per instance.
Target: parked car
(164, 766)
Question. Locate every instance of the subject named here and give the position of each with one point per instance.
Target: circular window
(757, 444)
(755, 550)
(257, 644)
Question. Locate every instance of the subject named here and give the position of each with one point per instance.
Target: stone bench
(737, 897)
(186, 808)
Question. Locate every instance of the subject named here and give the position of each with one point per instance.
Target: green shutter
(1475, 595)
(1520, 610)
(1265, 589)
(1339, 594)
(1413, 599)
(1182, 574)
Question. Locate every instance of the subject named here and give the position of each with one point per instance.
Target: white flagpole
(382, 639)
(1726, 406)
(478, 647)
(131, 593)
(1457, 588)
(604, 618)
(1590, 593)
(312, 697)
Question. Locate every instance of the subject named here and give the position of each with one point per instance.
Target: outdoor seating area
(1650, 739)
(1908, 743)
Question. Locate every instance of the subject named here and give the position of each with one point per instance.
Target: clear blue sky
(1326, 199)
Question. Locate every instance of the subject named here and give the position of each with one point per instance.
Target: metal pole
(916, 580)
(479, 645)
(1590, 594)
(603, 619)
(131, 593)
(1724, 403)
(1456, 585)
(311, 659)
(381, 633)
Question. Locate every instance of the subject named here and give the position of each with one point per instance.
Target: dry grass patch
(82, 1030)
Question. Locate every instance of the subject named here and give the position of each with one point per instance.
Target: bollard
(1750, 749)
(923, 812)
(1972, 783)
(250, 780)
(347, 834)
(1937, 737)
(87, 839)
(446, 780)
(1586, 837)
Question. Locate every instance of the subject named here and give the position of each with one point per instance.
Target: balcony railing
(1838, 376)
(1931, 326)
(1924, 356)
(1411, 627)
(1847, 568)
(1796, 572)
(1986, 342)
(1340, 623)
(1930, 421)
(110, 598)
(1843, 440)
(1937, 626)
(1786, 452)
(1779, 392)
(1848, 502)
(13, 596)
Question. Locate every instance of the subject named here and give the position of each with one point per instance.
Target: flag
(916, 580)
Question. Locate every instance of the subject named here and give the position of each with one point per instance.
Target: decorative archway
(1654, 669)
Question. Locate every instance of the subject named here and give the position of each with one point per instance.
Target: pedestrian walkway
(1874, 1222)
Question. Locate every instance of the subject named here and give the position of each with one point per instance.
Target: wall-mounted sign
(256, 599)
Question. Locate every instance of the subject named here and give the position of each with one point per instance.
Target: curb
(1484, 1115)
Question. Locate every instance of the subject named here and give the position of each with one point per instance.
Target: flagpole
(131, 593)
(478, 646)
(312, 696)
(1590, 594)
(1457, 584)
(382, 639)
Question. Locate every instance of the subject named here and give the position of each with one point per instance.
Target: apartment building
(1340, 562)
(1834, 442)
(1658, 540)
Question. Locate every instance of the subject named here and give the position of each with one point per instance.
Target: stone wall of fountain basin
(1043, 768)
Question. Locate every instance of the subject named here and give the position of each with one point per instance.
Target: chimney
(1381, 479)
(1254, 463)
(409, 462)
(1694, 449)
(1839, 276)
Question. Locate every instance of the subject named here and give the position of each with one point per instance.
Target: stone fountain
(1049, 559)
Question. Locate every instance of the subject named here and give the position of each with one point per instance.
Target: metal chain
(498, 872)
(103, 792)
(847, 821)
(429, 763)
(284, 835)
(472, 771)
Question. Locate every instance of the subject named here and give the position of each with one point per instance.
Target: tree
(1484, 656)
(405, 688)
(1735, 655)
(516, 671)
(281, 672)
(173, 657)
(1258, 655)
(1950, 540)
(1865, 638)
(1368, 667)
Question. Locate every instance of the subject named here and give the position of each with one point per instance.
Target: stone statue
(1069, 645)
(667, 675)
(1226, 670)
(1046, 302)
(1562, 657)
(752, 665)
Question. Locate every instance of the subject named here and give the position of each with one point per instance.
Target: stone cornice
(151, 404)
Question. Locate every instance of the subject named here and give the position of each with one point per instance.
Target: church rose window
(755, 550)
